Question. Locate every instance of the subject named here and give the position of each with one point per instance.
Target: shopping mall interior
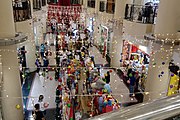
(89, 59)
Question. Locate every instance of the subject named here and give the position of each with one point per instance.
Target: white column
(168, 18)
(27, 28)
(11, 87)
(120, 9)
(85, 3)
(158, 72)
(117, 44)
(167, 25)
(97, 3)
(31, 1)
(7, 29)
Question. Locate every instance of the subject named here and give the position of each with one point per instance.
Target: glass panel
(141, 13)
(22, 10)
(110, 6)
(91, 3)
(102, 6)
(37, 4)
(43, 2)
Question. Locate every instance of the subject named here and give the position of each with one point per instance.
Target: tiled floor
(43, 86)
(97, 56)
(47, 87)
(120, 91)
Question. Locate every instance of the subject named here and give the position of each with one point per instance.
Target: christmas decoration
(18, 107)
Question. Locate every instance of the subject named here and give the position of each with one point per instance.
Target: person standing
(42, 48)
(107, 77)
(132, 81)
(42, 104)
(46, 63)
(37, 114)
(38, 64)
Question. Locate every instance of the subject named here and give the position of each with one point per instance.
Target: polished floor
(45, 86)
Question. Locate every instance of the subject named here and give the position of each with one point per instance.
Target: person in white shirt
(41, 103)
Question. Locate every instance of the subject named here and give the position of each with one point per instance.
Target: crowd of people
(71, 54)
(82, 88)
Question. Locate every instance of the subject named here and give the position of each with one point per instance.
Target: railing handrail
(164, 108)
(25, 15)
(141, 13)
(143, 5)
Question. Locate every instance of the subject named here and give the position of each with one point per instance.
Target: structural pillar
(168, 19)
(7, 29)
(166, 28)
(119, 9)
(11, 94)
(97, 4)
(85, 3)
(26, 27)
(158, 72)
(117, 42)
(117, 45)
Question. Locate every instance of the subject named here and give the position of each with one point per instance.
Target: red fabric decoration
(51, 78)
(109, 108)
(60, 80)
(134, 49)
(89, 104)
(60, 88)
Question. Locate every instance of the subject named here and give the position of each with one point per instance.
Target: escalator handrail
(159, 109)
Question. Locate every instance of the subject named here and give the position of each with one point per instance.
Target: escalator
(167, 108)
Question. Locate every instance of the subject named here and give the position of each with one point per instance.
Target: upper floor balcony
(110, 6)
(91, 3)
(141, 13)
(38, 4)
(65, 2)
(21, 10)
(104, 6)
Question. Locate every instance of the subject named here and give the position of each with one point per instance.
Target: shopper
(107, 77)
(42, 49)
(42, 104)
(132, 81)
(37, 114)
(46, 64)
(38, 65)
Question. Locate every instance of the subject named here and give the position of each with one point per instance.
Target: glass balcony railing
(37, 4)
(91, 3)
(102, 6)
(167, 108)
(22, 10)
(141, 13)
(43, 2)
(76, 2)
(110, 7)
